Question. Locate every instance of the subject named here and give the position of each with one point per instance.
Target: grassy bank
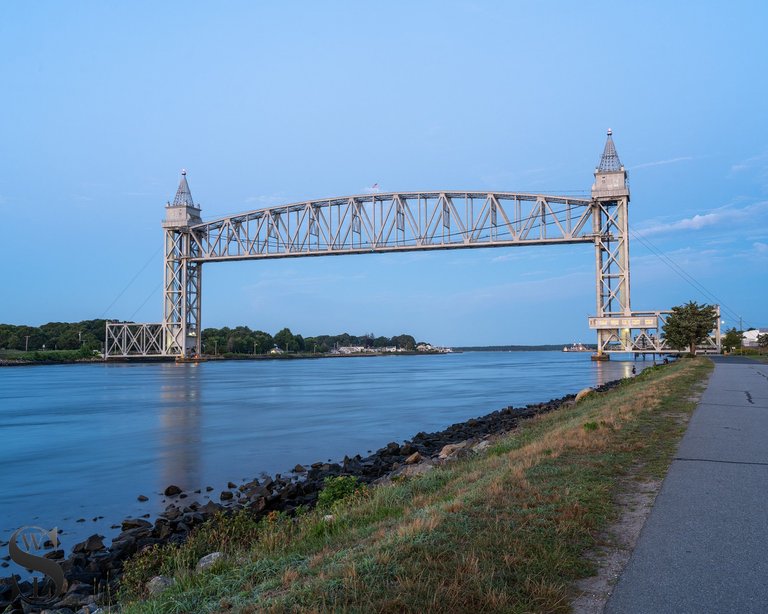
(48, 356)
(502, 531)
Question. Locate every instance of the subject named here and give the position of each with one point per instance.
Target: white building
(750, 337)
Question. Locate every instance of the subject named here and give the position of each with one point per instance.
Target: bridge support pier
(610, 224)
(182, 276)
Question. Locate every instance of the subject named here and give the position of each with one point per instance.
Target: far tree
(762, 340)
(689, 325)
(285, 340)
(732, 340)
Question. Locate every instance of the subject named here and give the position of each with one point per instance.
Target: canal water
(79, 442)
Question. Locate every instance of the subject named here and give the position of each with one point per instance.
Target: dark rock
(80, 520)
(135, 523)
(299, 469)
(78, 588)
(231, 485)
(145, 542)
(172, 512)
(164, 531)
(121, 548)
(392, 448)
(257, 504)
(210, 508)
(142, 498)
(208, 488)
(172, 491)
(193, 518)
(225, 495)
(93, 544)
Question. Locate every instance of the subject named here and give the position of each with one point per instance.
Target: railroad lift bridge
(398, 222)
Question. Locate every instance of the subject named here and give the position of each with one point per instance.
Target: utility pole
(741, 338)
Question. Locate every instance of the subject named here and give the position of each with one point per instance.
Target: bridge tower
(610, 205)
(182, 276)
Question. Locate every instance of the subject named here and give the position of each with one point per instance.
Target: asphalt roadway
(704, 547)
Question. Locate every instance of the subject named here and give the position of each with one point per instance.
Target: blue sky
(103, 103)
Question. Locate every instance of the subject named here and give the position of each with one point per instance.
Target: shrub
(338, 488)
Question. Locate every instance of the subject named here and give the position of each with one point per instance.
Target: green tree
(689, 324)
(732, 340)
(264, 342)
(762, 340)
(406, 342)
(285, 340)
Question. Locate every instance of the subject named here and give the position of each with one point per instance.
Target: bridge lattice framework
(395, 222)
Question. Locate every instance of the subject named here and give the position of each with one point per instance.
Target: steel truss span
(126, 340)
(395, 221)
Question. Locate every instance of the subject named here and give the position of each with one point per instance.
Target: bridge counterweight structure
(394, 222)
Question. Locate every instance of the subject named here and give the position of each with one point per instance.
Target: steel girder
(126, 339)
(397, 221)
(181, 294)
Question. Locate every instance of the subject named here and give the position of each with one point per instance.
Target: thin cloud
(758, 161)
(760, 248)
(720, 216)
(661, 162)
(265, 200)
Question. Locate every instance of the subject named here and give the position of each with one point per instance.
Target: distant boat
(576, 347)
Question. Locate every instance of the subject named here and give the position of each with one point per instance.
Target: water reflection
(180, 438)
(610, 370)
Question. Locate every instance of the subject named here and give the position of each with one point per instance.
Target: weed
(337, 489)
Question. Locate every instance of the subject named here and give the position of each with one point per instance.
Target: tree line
(88, 334)
(243, 340)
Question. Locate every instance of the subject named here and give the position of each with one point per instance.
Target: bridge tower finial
(609, 161)
(183, 196)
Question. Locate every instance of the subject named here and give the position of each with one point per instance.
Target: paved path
(704, 547)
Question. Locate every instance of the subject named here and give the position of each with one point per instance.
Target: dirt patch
(618, 542)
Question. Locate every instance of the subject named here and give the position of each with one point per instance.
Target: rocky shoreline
(93, 569)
